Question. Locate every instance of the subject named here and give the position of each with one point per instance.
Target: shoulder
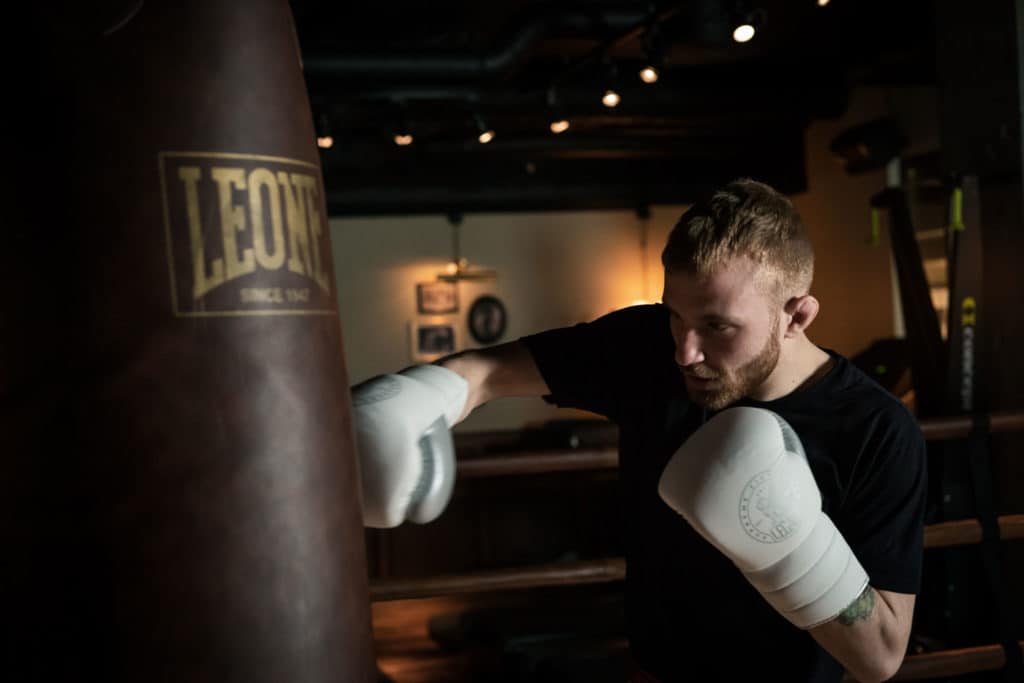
(867, 430)
(627, 336)
(879, 410)
(634, 327)
(644, 316)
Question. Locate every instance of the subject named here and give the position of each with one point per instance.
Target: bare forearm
(496, 372)
(870, 636)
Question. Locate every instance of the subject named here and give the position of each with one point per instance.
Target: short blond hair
(744, 218)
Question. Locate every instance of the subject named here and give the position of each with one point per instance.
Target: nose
(688, 348)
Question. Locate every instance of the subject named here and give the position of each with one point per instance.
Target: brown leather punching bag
(206, 525)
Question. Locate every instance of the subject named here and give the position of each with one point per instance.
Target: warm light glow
(486, 137)
(403, 140)
(451, 268)
(559, 126)
(610, 99)
(822, 3)
(325, 142)
(649, 74)
(743, 33)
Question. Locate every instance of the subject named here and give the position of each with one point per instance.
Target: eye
(719, 327)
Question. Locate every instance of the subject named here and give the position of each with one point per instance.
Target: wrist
(475, 368)
(448, 389)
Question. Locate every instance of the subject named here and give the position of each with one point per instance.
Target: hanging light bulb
(485, 134)
(403, 133)
(459, 269)
(822, 3)
(324, 140)
(559, 126)
(748, 24)
(649, 74)
(611, 97)
(654, 49)
(559, 123)
(743, 33)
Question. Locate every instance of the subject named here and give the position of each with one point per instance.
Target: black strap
(981, 480)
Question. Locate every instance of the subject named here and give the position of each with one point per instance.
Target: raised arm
(748, 460)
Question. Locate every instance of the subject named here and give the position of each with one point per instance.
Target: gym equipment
(202, 519)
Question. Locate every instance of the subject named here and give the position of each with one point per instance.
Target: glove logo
(766, 513)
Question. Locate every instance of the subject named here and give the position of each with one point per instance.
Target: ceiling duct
(535, 25)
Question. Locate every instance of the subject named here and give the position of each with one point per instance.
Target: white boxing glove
(743, 482)
(404, 444)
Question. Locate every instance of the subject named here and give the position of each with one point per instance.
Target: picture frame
(487, 319)
(432, 339)
(437, 298)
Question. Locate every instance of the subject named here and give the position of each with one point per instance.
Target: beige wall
(561, 268)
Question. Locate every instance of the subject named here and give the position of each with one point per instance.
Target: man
(729, 339)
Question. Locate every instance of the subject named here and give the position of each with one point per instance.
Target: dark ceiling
(439, 70)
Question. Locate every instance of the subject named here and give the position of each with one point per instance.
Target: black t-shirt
(691, 614)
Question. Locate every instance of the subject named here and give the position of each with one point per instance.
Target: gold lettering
(261, 295)
(298, 233)
(201, 282)
(273, 259)
(309, 188)
(232, 221)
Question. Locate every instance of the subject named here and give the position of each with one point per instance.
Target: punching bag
(206, 525)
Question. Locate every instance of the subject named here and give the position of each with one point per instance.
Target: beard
(728, 386)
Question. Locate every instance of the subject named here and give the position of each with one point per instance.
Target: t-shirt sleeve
(883, 516)
(595, 366)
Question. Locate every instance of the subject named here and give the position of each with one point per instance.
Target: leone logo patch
(246, 235)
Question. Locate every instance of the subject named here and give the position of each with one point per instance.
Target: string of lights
(746, 25)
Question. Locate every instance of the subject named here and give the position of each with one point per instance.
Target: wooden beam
(946, 534)
(539, 461)
(968, 531)
(562, 574)
(535, 462)
(959, 426)
(950, 663)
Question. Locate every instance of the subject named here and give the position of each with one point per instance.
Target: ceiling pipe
(536, 25)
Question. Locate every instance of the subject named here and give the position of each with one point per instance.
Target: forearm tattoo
(860, 609)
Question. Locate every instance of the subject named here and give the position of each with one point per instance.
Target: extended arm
(403, 424)
(499, 371)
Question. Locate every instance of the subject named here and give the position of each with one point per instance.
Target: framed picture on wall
(437, 298)
(432, 340)
(487, 319)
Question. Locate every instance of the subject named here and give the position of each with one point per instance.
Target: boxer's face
(726, 331)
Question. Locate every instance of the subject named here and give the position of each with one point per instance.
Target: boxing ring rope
(940, 535)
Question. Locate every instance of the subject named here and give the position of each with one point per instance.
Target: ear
(801, 312)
